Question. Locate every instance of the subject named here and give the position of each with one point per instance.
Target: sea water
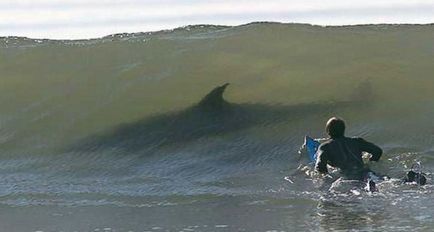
(107, 134)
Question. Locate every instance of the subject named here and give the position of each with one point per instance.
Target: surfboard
(311, 147)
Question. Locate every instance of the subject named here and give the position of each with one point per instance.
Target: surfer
(345, 153)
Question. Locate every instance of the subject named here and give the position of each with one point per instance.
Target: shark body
(211, 116)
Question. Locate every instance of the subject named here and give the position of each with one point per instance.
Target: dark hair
(335, 127)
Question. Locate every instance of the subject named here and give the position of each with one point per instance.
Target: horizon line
(168, 30)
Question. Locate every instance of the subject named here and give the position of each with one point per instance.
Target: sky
(82, 19)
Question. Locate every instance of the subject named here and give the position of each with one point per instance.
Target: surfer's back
(346, 153)
(343, 152)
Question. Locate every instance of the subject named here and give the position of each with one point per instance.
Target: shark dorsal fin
(214, 99)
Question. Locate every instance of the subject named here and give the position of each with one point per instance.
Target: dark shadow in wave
(212, 116)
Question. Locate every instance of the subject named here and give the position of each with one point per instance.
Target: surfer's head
(335, 127)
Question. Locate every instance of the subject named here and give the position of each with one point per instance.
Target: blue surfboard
(311, 147)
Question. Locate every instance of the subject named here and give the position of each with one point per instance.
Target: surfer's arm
(321, 160)
(371, 148)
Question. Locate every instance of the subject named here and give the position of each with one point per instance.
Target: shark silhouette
(213, 115)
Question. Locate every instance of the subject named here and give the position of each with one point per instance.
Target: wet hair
(335, 127)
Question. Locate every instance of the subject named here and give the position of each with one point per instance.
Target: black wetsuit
(346, 153)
